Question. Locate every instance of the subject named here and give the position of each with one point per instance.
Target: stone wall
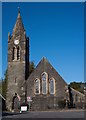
(16, 77)
(45, 101)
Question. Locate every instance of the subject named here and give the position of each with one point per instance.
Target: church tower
(18, 61)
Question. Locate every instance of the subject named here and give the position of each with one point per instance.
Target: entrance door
(15, 103)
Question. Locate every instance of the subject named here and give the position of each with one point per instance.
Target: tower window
(44, 83)
(37, 86)
(18, 53)
(52, 86)
(13, 53)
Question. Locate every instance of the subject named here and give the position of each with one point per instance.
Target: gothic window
(37, 86)
(44, 83)
(13, 53)
(52, 85)
(18, 53)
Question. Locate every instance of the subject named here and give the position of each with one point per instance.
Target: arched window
(37, 86)
(44, 83)
(13, 53)
(18, 53)
(52, 85)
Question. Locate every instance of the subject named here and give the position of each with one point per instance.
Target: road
(51, 114)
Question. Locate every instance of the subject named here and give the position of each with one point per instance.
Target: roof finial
(18, 9)
(18, 12)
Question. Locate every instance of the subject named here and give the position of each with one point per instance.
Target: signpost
(29, 100)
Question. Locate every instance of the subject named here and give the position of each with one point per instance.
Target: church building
(44, 85)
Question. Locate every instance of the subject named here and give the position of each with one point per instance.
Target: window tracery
(37, 86)
(44, 83)
(52, 85)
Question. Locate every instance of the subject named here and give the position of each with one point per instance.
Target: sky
(0, 39)
(56, 31)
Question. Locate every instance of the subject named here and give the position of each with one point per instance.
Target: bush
(61, 104)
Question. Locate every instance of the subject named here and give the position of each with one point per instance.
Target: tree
(31, 67)
(4, 85)
(79, 86)
(0, 86)
(5, 81)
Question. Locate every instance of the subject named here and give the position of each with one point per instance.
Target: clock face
(16, 42)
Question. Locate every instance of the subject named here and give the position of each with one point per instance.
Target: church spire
(19, 27)
(18, 12)
(18, 9)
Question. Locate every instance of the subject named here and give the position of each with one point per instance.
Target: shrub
(61, 104)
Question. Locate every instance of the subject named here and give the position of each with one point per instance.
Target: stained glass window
(44, 83)
(37, 86)
(52, 86)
